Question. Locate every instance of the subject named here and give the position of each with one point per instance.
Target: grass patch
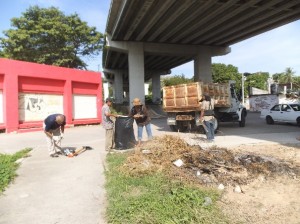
(8, 167)
(154, 198)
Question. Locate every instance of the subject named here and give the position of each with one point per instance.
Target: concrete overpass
(147, 38)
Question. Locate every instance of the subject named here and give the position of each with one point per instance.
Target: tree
(175, 80)
(288, 77)
(257, 80)
(277, 77)
(222, 73)
(296, 83)
(47, 36)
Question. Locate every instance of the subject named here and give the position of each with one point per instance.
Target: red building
(29, 92)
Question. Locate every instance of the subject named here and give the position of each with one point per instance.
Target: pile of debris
(214, 166)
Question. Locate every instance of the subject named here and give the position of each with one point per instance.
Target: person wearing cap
(207, 116)
(140, 114)
(54, 127)
(108, 125)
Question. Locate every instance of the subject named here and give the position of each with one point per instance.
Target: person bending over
(54, 127)
(140, 113)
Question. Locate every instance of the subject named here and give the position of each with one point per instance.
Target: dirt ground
(267, 199)
(268, 176)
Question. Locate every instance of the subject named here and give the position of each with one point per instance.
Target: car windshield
(296, 107)
(285, 107)
(276, 108)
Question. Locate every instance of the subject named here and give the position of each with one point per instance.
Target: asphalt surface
(56, 190)
(71, 190)
(230, 134)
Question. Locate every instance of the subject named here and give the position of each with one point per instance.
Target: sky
(272, 52)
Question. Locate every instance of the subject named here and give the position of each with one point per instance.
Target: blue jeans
(210, 133)
(148, 130)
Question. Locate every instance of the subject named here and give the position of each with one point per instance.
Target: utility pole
(244, 77)
(243, 97)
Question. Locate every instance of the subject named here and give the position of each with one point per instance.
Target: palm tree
(296, 82)
(288, 77)
(277, 77)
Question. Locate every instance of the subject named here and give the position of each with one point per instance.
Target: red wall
(25, 77)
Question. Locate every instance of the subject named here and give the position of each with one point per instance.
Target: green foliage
(277, 77)
(175, 80)
(296, 83)
(148, 99)
(47, 36)
(116, 110)
(156, 199)
(287, 77)
(258, 80)
(8, 167)
(222, 73)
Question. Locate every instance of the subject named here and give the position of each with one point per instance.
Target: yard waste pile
(198, 166)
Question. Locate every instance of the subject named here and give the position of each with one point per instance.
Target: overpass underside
(146, 39)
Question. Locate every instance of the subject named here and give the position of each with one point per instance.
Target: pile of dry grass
(210, 167)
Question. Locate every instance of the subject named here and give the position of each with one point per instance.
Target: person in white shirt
(207, 116)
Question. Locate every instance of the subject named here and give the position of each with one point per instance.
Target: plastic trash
(124, 134)
(178, 163)
(207, 201)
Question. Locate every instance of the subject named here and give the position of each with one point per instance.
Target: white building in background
(146, 85)
(105, 90)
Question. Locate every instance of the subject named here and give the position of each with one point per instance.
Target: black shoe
(54, 155)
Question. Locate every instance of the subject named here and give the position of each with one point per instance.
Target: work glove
(56, 138)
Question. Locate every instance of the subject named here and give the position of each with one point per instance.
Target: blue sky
(271, 52)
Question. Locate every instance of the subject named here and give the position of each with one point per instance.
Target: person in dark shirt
(54, 127)
(140, 113)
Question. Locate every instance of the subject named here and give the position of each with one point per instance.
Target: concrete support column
(118, 87)
(202, 66)
(136, 72)
(156, 94)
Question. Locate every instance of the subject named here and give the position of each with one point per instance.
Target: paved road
(71, 190)
(56, 190)
(230, 134)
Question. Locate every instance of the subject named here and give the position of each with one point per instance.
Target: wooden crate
(182, 96)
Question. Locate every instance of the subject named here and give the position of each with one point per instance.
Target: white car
(286, 112)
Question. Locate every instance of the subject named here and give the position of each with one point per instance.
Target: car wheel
(269, 120)
(242, 123)
(298, 121)
(173, 128)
